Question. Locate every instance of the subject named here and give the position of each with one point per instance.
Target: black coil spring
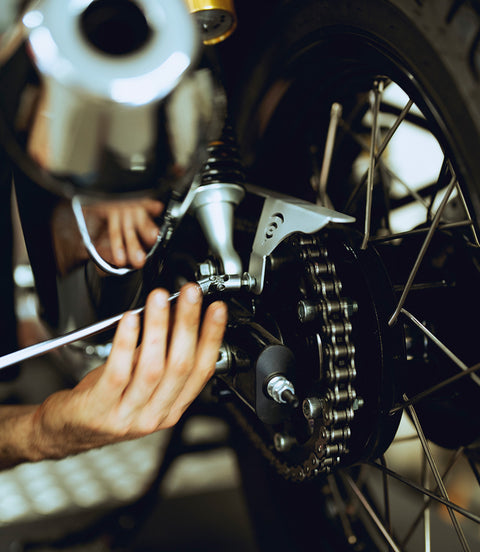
(223, 164)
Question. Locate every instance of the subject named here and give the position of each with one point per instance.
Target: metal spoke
(434, 389)
(416, 195)
(412, 118)
(388, 171)
(381, 149)
(365, 146)
(422, 286)
(368, 508)
(419, 231)
(394, 129)
(386, 496)
(428, 500)
(465, 206)
(335, 116)
(377, 95)
(437, 476)
(423, 490)
(474, 468)
(423, 250)
(440, 183)
(440, 345)
(341, 509)
(426, 509)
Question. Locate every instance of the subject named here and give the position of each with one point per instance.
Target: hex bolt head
(313, 407)
(281, 390)
(306, 311)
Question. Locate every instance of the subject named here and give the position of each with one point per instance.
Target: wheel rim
(291, 106)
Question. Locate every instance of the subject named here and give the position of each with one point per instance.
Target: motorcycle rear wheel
(315, 54)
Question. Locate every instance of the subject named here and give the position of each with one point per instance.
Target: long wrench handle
(209, 285)
(39, 349)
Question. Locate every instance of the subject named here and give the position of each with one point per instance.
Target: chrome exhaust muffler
(104, 98)
(101, 100)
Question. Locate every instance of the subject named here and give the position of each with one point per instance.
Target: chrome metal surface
(313, 407)
(282, 216)
(335, 117)
(283, 442)
(276, 388)
(375, 108)
(224, 362)
(214, 206)
(39, 349)
(108, 106)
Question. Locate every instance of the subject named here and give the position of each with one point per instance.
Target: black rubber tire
(436, 42)
(433, 49)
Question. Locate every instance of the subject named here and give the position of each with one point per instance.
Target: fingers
(146, 228)
(151, 361)
(135, 251)
(191, 360)
(153, 388)
(183, 343)
(211, 336)
(119, 367)
(132, 230)
(153, 207)
(116, 239)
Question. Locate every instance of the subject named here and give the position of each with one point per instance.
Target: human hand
(139, 390)
(124, 230)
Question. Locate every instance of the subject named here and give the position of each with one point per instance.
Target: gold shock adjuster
(217, 19)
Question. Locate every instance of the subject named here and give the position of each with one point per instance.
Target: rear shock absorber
(215, 201)
(223, 165)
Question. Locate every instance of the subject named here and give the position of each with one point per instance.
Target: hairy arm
(138, 391)
(16, 435)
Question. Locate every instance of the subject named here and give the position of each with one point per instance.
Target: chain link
(331, 430)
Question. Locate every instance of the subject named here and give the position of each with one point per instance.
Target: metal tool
(208, 286)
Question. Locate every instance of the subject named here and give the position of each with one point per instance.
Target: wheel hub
(333, 312)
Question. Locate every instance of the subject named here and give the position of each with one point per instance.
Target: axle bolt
(281, 390)
(313, 408)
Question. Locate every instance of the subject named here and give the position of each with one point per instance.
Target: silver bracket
(282, 216)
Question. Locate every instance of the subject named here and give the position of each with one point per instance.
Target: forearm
(136, 392)
(18, 442)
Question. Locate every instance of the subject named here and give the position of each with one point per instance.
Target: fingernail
(120, 255)
(193, 294)
(140, 256)
(132, 320)
(160, 298)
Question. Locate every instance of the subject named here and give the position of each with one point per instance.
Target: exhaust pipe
(105, 99)
(101, 99)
